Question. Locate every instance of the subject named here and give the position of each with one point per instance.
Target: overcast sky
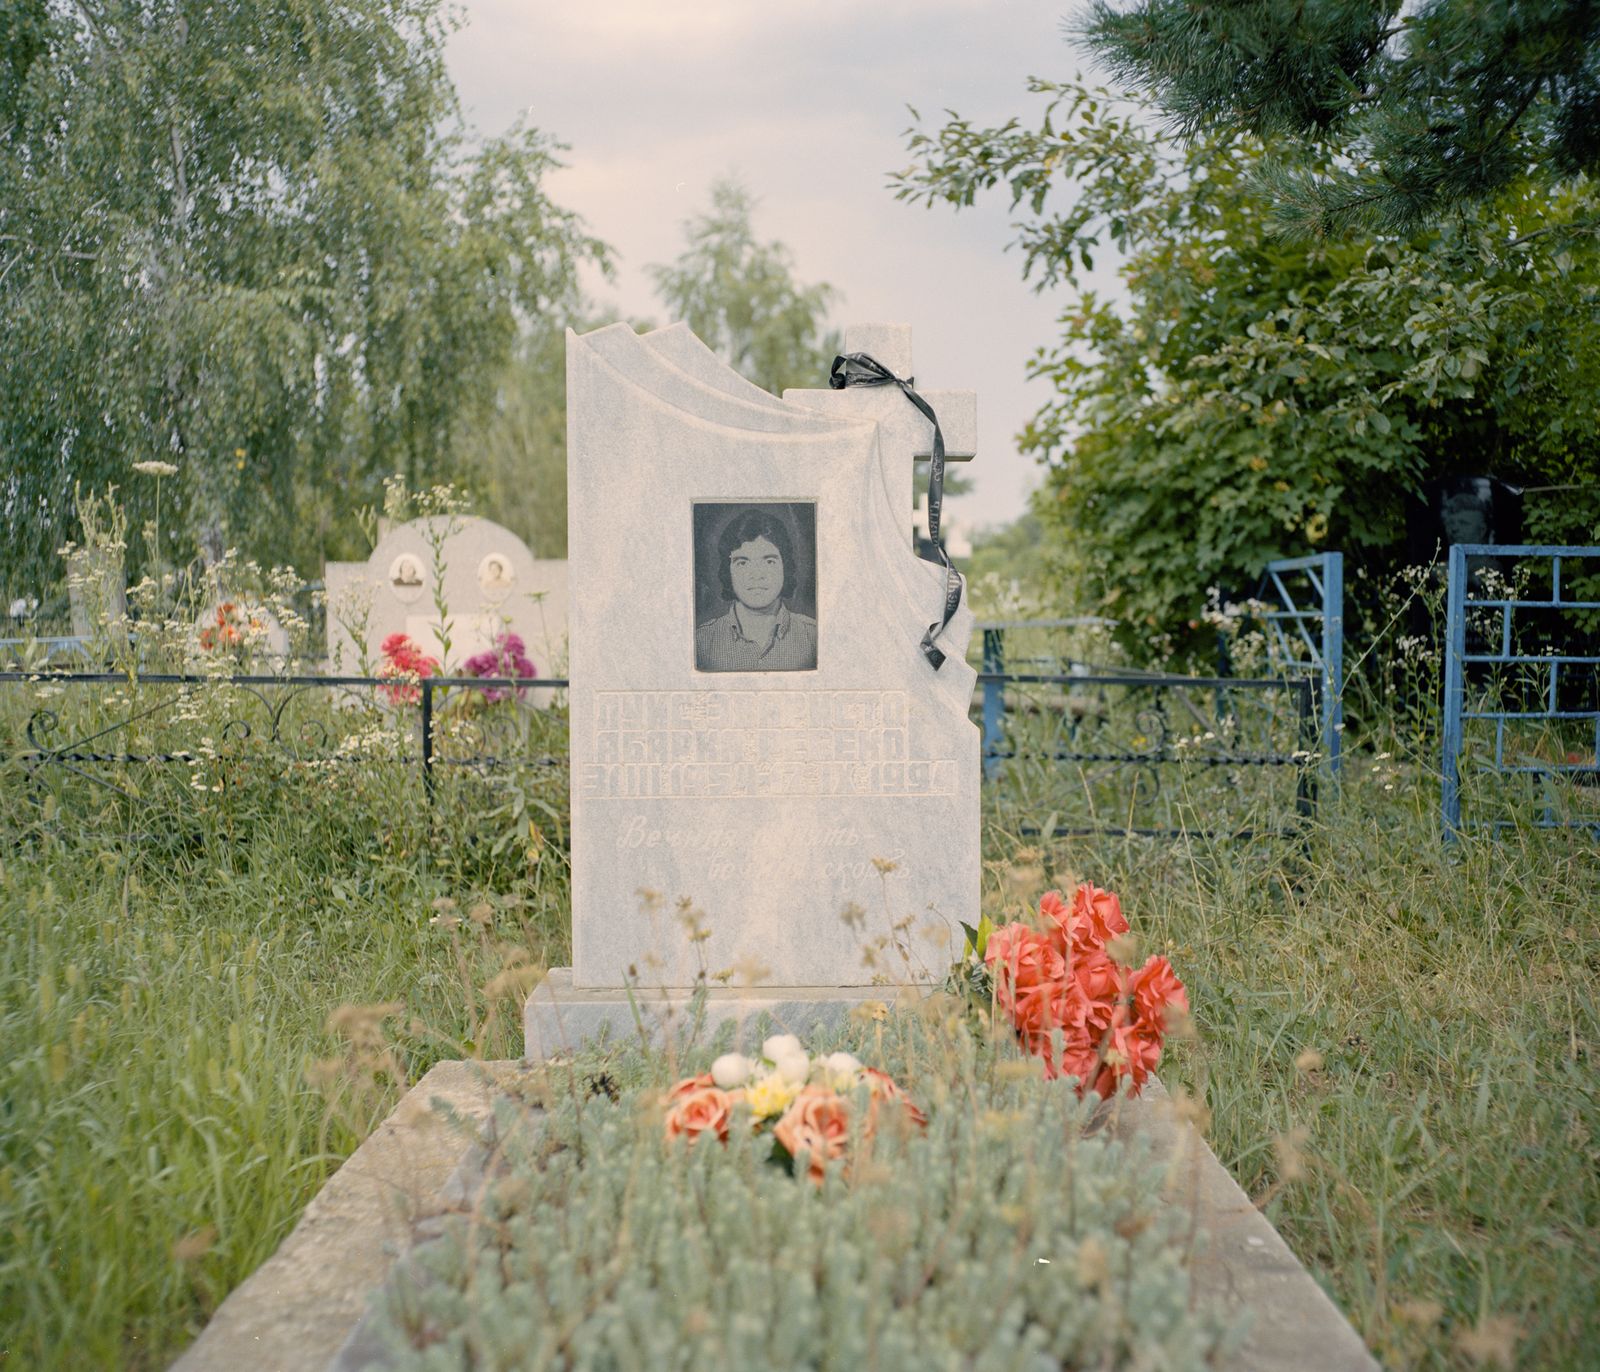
(807, 104)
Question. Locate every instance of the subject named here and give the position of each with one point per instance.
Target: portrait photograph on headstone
(755, 586)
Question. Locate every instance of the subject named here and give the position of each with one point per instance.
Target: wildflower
(155, 468)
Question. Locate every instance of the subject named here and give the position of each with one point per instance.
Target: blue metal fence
(1307, 631)
(1504, 698)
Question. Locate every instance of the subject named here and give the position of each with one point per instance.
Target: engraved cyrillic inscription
(649, 744)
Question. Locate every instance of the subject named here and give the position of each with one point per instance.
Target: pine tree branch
(1575, 227)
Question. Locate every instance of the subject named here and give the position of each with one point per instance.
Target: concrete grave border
(300, 1307)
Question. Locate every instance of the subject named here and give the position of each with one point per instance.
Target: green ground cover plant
(1010, 1233)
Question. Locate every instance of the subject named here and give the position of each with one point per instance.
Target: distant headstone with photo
(487, 578)
(770, 778)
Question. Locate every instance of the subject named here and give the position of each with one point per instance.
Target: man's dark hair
(754, 523)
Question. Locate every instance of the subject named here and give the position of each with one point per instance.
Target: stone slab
(1243, 1263)
(559, 1018)
(296, 1310)
(301, 1306)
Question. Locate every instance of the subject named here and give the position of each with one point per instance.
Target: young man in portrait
(757, 574)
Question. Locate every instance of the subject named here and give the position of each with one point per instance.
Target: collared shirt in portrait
(720, 644)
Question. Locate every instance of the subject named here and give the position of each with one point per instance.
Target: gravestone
(769, 779)
(491, 584)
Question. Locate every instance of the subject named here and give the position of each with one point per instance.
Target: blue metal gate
(1307, 634)
(1557, 692)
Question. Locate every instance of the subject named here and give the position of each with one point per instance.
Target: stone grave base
(558, 1017)
(301, 1307)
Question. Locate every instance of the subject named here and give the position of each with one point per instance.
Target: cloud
(808, 104)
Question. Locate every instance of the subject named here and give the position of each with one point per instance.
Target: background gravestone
(491, 584)
(794, 814)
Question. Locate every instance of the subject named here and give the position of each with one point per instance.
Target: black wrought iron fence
(105, 730)
(1149, 755)
(1065, 753)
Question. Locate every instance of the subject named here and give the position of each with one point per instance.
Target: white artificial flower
(730, 1070)
(781, 1046)
(794, 1067)
(842, 1070)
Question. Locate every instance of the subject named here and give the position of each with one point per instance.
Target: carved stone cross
(907, 436)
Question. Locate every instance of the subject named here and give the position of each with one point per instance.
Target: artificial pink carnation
(507, 658)
(1098, 914)
(1021, 960)
(1071, 1004)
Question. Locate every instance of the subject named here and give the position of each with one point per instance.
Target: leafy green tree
(515, 460)
(246, 239)
(1259, 397)
(1413, 111)
(740, 297)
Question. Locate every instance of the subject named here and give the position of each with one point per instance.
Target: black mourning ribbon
(861, 369)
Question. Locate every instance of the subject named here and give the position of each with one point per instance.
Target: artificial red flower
(402, 658)
(1021, 960)
(1157, 991)
(1074, 1007)
(1099, 915)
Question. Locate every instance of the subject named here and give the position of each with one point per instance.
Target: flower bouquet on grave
(406, 665)
(507, 657)
(1067, 989)
(807, 1105)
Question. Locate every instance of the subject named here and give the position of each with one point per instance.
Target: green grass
(177, 1073)
(1428, 1017)
(172, 1091)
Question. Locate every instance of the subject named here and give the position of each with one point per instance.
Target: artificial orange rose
(688, 1085)
(1099, 916)
(1021, 960)
(1157, 990)
(1103, 984)
(818, 1124)
(883, 1089)
(698, 1110)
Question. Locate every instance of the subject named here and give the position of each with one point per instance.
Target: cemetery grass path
(162, 1025)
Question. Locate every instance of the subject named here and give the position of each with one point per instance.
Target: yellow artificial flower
(771, 1095)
